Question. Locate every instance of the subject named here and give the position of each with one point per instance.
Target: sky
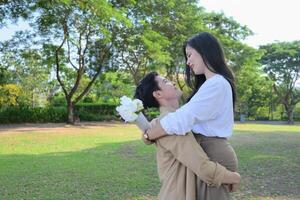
(270, 20)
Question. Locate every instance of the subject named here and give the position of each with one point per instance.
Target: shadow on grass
(110, 171)
(269, 165)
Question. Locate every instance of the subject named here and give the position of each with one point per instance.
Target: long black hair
(213, 57)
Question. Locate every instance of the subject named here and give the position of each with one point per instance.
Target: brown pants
(218, 150)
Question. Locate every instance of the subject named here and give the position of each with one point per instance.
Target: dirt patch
(54, 127)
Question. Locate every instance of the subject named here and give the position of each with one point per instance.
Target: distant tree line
(96, 51)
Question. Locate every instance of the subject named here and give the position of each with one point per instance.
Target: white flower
(128, 103)
(130, 111)
(129, 108)
(139, 104)
(126, 114)
(125, 100)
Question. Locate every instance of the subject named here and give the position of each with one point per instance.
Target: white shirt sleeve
(204, 106)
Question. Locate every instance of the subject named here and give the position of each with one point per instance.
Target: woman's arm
(204, 106)
(156, 131)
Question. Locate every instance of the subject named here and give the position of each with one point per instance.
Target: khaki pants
(218, 150)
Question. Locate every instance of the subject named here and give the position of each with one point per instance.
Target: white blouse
(209, 112)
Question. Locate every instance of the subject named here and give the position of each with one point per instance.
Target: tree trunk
(70, 112)
(289, 109)
(290, 113)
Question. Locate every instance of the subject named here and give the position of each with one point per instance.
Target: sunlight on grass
(66, 140)
(266, 157)
(263, 128)
(108, 161)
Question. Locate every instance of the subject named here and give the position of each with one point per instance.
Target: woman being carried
(209, 112)
(179, 158)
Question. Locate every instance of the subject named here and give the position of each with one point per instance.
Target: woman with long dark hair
(209, 112)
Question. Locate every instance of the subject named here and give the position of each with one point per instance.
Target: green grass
(108, 161)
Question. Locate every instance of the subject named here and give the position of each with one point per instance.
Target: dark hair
(213, 57)
(144, 90)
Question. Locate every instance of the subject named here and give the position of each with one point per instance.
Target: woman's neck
(208, 74)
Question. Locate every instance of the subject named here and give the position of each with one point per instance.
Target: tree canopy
(93, 49)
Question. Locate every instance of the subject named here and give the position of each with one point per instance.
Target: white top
(209, 112)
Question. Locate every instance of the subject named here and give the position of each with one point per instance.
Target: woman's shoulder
(218, 78)
(217, 81)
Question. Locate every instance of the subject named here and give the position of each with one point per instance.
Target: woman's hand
(156, 131)
(154, 122)
(145, 140)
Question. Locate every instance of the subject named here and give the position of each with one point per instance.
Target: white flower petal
(139, 104)
(125, 100)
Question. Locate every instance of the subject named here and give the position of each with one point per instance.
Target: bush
(151, 113)
(9, 94)
(58, 100)
(95, 112)
(86, 112)
(32, 115)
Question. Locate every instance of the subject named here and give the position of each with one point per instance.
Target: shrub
(21, 114)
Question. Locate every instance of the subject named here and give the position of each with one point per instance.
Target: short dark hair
(144, 90)
(212, 53)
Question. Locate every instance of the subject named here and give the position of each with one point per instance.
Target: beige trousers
(218, 150)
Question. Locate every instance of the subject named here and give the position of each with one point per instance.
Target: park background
(61, 79)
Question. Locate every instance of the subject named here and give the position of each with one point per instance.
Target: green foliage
(85, 111)
(10, 11)
(297, 112)
(9, 94)
(95, 112)
(34, 115)
(281, 62)
(254, 91)
(58, 100)
(5, 75)
(176, 24)
(108, 161)
(226, 26)
(151, 113)
(113, 85)
(130, 38)
(25, 66)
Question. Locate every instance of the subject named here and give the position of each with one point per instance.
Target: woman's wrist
(156, 131)
(146, 136)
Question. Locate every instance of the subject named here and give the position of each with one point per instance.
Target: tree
(4, 75)
(177, 23)
(24, 67)
(11, 11)
(253, 91)
(78, 37)
(139, 48)
(281, 62)
(9, 94)
(113, 85)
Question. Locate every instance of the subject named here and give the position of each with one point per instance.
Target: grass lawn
(108, 161)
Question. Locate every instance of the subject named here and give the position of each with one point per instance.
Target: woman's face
(194, 60)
